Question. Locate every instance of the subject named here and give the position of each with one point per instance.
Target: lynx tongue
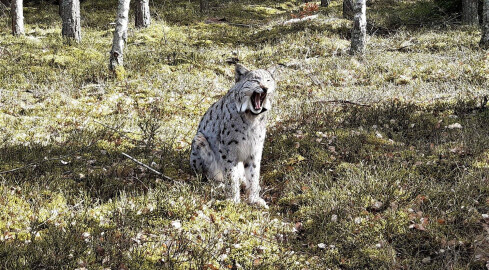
(257, 101)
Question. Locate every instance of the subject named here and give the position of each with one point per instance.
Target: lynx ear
(272, 70)
(240, 72)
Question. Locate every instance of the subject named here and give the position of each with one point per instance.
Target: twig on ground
(147, 167)
(341, 101)
(19, 168)
(297, 20)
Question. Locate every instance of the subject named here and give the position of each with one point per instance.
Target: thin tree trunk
(17, 12)
(348, 12)
(470, 13)
(325, 3)
(143, 17)
(120, 35)
(359, 31)
(484, 43)
(70, 10)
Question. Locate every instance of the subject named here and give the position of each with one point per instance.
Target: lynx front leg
(234, 175)
(252, 172)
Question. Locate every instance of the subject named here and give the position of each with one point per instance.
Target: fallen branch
(342, 101)
(19, 168)
(147, 167)
(297, 20)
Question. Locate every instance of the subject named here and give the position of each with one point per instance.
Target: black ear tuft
(240, 72)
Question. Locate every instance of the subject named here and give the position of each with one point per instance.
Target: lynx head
(254, 90)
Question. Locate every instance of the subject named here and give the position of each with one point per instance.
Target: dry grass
(398, 183)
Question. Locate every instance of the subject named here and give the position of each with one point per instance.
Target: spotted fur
(228, 145)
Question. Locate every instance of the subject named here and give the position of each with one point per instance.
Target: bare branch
(342, 101)
(147, 167)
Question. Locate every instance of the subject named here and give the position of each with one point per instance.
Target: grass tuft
(376, 162)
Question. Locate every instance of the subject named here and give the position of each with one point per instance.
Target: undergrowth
(375, 162)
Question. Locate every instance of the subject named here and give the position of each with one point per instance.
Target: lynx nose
(264, 88)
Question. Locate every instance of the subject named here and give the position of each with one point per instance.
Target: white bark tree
(470, 14)
(359, 31)
(484, 43)
(70, 14)
(17, 14)
(143, 17)
(120, 35)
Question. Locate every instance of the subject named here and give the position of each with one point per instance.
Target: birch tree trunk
(143, 17)
(325, 3)
(484, 43)
(17, 12)
(359, 31)
(120, 35)
(70, 14)
(470, 15)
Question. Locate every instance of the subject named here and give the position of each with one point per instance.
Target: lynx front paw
(234, 199)
(259, 202)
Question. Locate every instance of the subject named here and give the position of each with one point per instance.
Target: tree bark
(348, 12)
(143, 17)
(470, 15)
(70, 14)
(325, 3)
(484, 43)
(120, 35)
(359, 31)
(17, 12)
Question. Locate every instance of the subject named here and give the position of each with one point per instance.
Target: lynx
(228, 145)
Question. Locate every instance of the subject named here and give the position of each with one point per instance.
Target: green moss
(53, 209)
(265, 11)
(15, 216)
(379, 182)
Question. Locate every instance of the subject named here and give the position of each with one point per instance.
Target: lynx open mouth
(257, 100)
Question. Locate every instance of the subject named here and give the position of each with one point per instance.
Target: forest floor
(378, 162)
